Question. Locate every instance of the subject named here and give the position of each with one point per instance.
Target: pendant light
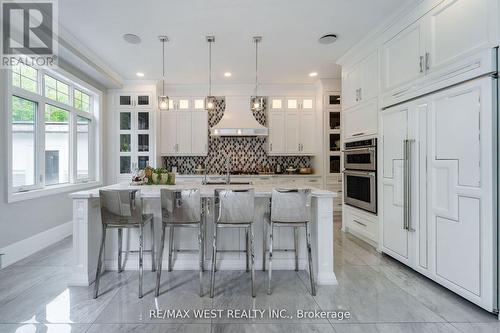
(210, 100)
(257, 103)
(163, 100)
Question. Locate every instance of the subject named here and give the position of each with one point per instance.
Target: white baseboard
(26, 247)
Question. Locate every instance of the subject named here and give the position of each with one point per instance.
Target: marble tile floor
(381, 294)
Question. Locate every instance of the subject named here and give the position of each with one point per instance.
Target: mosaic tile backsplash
(246, 154)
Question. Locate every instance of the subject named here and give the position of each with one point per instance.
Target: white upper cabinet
(403, 57)
(133, 100)
(456, 29)
(199, 128)
(450, 43)
(291, 126)
(184, 128)
(360, 82)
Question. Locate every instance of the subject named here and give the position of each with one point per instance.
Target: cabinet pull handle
(360, 94)
(360, 223)
(357, 95)
(427, 61)
(271, 146)
(421, 64)
(358, 134)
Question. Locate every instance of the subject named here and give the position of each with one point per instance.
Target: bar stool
(180, 209)
(234, 209)
(122, 209)
(290, 208)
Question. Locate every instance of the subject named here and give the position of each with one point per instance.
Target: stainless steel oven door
(360, 190)
(361, 158)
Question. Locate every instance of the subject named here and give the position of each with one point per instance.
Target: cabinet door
(277, 133)
(455, 29)
(350, 86)
(307, 133)
(184, 133)
(460, 190)
(361, 120)
(403, 57)
(124, 100)
(292, 127)
(142, 100)
(200, 133)
(369, 84)
(396, 239)
(168, 133)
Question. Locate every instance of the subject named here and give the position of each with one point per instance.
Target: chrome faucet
(204, 181)
(228, 170)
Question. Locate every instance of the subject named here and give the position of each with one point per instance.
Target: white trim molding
(26, 247)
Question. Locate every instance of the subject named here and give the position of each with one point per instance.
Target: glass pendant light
(163, 100)
(210, 100)
(257, 103)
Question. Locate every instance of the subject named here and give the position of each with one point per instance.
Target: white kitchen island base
(87, 230)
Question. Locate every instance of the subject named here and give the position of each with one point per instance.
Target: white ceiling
(288, 52)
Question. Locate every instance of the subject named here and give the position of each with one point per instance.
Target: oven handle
(368, 149)
(360, 173)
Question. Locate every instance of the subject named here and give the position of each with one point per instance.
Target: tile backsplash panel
(245, 153)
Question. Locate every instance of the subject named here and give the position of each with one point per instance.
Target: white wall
(24, 219)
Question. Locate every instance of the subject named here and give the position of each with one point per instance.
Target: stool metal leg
(271, 236)
(120, 237)
(264, 245)
(160, 259)
(203, 231)
(170, 246)
(214, 258)
(296, 247)
(309, 254)
(99, 262)
(252, 261)
(141, 245)
(153, 263)
(200, 244)
(246, 249)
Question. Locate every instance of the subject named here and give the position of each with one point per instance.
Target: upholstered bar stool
(122, 209)
(234, 209)
(291, 208)
(181, 209)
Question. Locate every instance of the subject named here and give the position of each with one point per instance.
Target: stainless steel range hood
(238, 120)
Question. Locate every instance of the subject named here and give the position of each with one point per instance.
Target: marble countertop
(249, 176)
(153, 191)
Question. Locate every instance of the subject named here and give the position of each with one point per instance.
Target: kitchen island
(87, 234)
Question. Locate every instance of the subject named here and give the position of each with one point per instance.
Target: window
(56, 90)
(51, 128)
(25, 77)
(23, 142)
(82, 101)
(56, 145)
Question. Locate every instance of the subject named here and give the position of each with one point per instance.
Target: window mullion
(40, 124)
(72, 148)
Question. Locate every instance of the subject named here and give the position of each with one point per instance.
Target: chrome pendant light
(257, 103)
(210, 100)
(163, 100)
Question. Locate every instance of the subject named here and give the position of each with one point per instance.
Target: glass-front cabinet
(333, 147)
(135, 117)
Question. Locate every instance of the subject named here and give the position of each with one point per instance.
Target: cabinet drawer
(361, 120)
(364, 227)
(334, 179)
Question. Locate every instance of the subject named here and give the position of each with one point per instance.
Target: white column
(322, 240)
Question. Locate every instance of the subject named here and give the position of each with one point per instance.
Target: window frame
(39, 189)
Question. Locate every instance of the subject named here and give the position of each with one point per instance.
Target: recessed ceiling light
(132, 39)
(327, 39)
(227, 74)
(313, 74)
(139, 74)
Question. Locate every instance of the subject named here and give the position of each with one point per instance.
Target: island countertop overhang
(153, 191)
